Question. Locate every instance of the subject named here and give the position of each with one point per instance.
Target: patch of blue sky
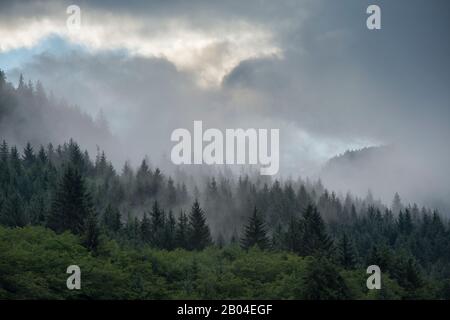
(52, 44)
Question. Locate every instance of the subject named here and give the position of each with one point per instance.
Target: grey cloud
(337, 82)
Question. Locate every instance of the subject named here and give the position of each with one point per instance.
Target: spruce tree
(279, 238)
(157, 223)
(12, 213)
(132, 229)
(76, 157)
(171, 193)
(92, 232)
(346, 253)
(157, 180)
(14, 159)
(182, 231)
(4, 151)
(169, 232)
(71, 206)
(396, 204)
(199, 234)
(21, 86)
(292, 239)
(42, 156)
(314, 239)
(37, 210)
(303, 198)
(112, 219)
(405, 224)
(146, 232)
(28, 155)
(255, 233)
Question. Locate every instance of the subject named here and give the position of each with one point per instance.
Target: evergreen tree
(381, 256)
(143, 187)
(303, 198)
(293, 237)
(146, 229)
(255, 233)
(157, 224)
(279, 241)
(42, 156)
(14, 160)
(132, 229)
(396, 204)
(71, 206)
(171, 198)
(28, 155)
(199, 234)
(21, 86)
(346, 252)
(4, 151)
(314, 239)
(170, 232)
(92, 232)
(76, 157)
(40, 93)
(37, 210)
(322, 281)
(405, 224)
(101, 164)
(112, 219)
(12, 213)
(183, 194)
(182, 231)
(157, 182)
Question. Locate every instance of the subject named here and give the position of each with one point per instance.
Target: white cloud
(26, 33)
(208, 53)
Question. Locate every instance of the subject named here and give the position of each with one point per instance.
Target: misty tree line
(63, 189)
(29, 113)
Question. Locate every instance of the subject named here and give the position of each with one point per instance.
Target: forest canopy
(142, 233)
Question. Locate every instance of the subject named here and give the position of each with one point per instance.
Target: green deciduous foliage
(322, 281)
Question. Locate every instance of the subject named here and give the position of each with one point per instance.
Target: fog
(308, 68)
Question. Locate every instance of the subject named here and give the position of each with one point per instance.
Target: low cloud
(309, 68)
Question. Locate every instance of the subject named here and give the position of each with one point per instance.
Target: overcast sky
(310, 68)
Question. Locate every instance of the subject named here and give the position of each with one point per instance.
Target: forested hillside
(392, 168)
(61, 189)
(144, 234)
(28, 113)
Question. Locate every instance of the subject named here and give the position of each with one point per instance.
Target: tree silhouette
(255, 233)
(199, 234)
(314, 239)
(71, 206)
